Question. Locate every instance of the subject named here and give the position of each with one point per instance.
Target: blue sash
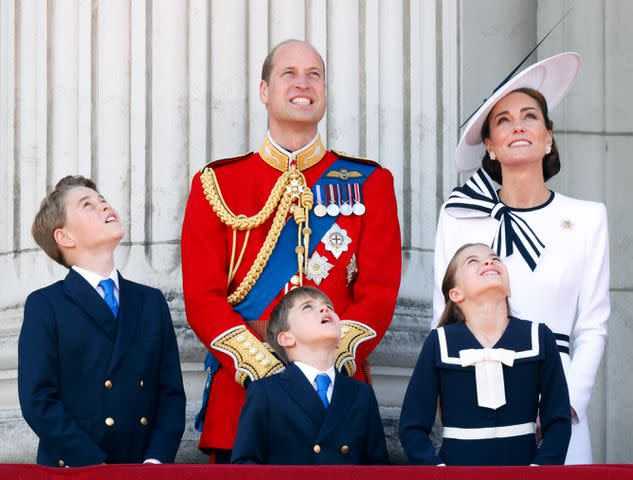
(282, 265)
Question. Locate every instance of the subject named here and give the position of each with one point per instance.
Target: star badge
(294, 189)
(336, 240)
(318, 268)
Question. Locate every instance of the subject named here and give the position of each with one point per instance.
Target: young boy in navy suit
(99, 375)
(309, 414)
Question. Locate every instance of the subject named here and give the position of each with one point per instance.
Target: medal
(358, 208)
(346, 206)
(336, 240)
(319, 209)
(332, 209)
(352, 270)
(318, 268)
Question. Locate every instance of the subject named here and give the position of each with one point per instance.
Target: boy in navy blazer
(99, 375)
(309, 414)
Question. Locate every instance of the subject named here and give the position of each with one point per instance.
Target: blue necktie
(323, 382)
(108, 288)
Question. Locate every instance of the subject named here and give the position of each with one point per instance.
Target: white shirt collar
(310, 372)
(286, 152)
(94, 278)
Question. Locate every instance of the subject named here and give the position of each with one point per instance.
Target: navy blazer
(98, 389)
(284, 422)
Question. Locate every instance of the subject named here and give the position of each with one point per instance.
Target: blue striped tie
(323, 382)
(108, 288)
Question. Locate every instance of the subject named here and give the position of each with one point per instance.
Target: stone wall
(140, 94)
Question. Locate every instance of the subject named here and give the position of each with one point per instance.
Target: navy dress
(474, 435)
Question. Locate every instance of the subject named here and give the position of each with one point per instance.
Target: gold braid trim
(264, 254)
(352, 334)
(251, 357)
(290, 190)
(214, 196)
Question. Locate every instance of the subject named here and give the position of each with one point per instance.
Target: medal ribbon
(317, 191)
(331, 192)
(357, 198)
(347, 194)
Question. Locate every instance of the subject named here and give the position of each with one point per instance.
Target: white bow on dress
(488, 373)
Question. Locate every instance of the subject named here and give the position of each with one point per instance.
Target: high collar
(277, 157)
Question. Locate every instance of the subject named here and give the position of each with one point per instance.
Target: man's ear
(456, 295)
(63, 239)
(286, 339)
(263, 92)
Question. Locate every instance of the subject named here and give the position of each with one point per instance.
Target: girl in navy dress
(490, 374)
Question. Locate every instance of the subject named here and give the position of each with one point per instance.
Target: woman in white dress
(555, 247)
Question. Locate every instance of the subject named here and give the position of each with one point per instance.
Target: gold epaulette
(224, 161)
(352, 334)
(251, 358)
(367, 161)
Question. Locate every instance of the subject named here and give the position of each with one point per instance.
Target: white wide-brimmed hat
(553, 77)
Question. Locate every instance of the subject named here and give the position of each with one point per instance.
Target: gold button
(295, 280)
(61, 463)
(344, 329)
(344, 449)
(109, 421)
(143, 421)
(142, 384)
(317, 449)
(248, 344)
(253, 351)
(240, 338)
(108, 384)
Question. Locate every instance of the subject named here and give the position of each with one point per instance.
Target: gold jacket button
(61, 463)
(143, 421)
(295, 280)
(108, 384)
(344, 449)
(317, 449)
(109, 421)
(142, 384)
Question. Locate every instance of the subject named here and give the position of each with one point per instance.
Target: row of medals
(336, 205)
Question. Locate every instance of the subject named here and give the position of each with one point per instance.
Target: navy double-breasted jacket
(284, 422)
(95, 388)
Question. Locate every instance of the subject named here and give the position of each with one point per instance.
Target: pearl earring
(492, 155)
(548, 149)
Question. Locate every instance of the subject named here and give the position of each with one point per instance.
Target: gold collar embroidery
(282, 160)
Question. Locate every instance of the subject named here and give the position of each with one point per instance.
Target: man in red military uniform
(292, 213)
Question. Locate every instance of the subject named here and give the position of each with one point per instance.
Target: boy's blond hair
(52, 215)
(279, 316)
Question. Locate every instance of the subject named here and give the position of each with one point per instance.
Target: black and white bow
(478, 198)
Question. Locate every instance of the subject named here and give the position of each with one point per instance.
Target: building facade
(140, 94)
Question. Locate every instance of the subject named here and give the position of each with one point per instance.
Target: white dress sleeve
(447, 241)
(590, 330)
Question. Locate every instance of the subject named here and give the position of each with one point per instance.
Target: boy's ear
(456, 295)
(63, 239)
(286, 339)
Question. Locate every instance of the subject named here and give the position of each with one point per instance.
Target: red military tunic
(362, 284)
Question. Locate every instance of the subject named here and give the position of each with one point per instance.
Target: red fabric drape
(247, 472)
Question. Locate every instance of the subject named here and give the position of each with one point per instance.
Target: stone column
(140, 95)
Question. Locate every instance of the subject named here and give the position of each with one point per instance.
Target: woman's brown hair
(551, 161)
